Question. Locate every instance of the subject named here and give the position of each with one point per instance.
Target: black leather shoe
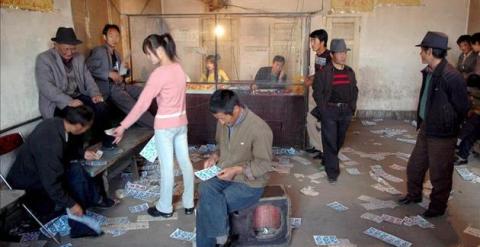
(319, 156)
(189, 211)
(106, 203)
(407, 200)
(312, 150)
(430, 213)
(155, 213)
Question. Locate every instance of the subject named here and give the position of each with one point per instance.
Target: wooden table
(285, 114)
(121, 157)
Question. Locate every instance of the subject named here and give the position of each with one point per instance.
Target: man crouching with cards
(244, 155)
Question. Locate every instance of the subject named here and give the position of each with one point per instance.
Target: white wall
(389, 63)
(23, 35)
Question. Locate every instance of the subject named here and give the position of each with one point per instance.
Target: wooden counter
(285, 114)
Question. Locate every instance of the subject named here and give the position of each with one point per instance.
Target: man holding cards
(244, 155)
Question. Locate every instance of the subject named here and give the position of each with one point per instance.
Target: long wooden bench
(121, 157)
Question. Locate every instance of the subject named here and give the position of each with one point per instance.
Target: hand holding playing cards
(118, 133)
(210, 161)
(90, 155)
(229, 173)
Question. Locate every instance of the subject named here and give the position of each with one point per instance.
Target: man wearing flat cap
(64, 81)
(442, 107)
(335, 92)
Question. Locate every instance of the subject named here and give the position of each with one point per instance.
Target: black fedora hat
(66, 35)
(437, 40)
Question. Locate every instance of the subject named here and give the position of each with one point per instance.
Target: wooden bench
(121, 157)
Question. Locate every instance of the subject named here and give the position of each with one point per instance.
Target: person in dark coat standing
(335, 92)
(442, 107)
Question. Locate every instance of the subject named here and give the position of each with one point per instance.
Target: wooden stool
(264, 224)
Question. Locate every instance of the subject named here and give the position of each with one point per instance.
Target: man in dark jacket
(42, 168)
(442, 106)
(335, 92)
(108, 70)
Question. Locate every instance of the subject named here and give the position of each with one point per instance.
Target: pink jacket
(168, 85)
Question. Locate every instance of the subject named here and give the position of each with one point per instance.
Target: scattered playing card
(295, 222)
(372, 217)
(183, 235)
(353, 171)
(392, 219)
(337, 206)
(325, 239)
(309, 191)
(472, 231)
(138, 208)
(386, 237)
(149, 152)
(398, 167)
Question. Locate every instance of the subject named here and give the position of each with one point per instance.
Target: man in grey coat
(106, 66)
(64, 81)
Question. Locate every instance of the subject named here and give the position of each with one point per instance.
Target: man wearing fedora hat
(335, 92)
(64, 81)
(442, 107)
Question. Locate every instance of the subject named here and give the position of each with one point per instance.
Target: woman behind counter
(209, 76)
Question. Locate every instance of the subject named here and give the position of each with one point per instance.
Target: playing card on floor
(138, 208)
(386, 237)
(208, 173)
(182, 235)
(325, 239)
(337, 206)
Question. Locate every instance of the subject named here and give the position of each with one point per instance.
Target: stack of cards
(337, 206)
(387, 238)
(325, 239)
(183, 235)
(208, 173)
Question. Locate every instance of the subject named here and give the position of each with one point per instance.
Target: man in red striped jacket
(335, 92)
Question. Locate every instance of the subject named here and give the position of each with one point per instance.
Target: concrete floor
(464, 208)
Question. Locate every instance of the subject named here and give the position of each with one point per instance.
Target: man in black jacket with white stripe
(442, 107)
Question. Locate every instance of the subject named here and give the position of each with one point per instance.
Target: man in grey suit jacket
(106, 66)
(64, 81)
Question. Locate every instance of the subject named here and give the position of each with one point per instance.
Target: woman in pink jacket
(167, 84)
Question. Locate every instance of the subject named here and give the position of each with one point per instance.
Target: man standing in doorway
(318, 43)
(442, 107)
(335, 92)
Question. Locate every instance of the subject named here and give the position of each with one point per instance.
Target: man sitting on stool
(43, 169)
(245, 153)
